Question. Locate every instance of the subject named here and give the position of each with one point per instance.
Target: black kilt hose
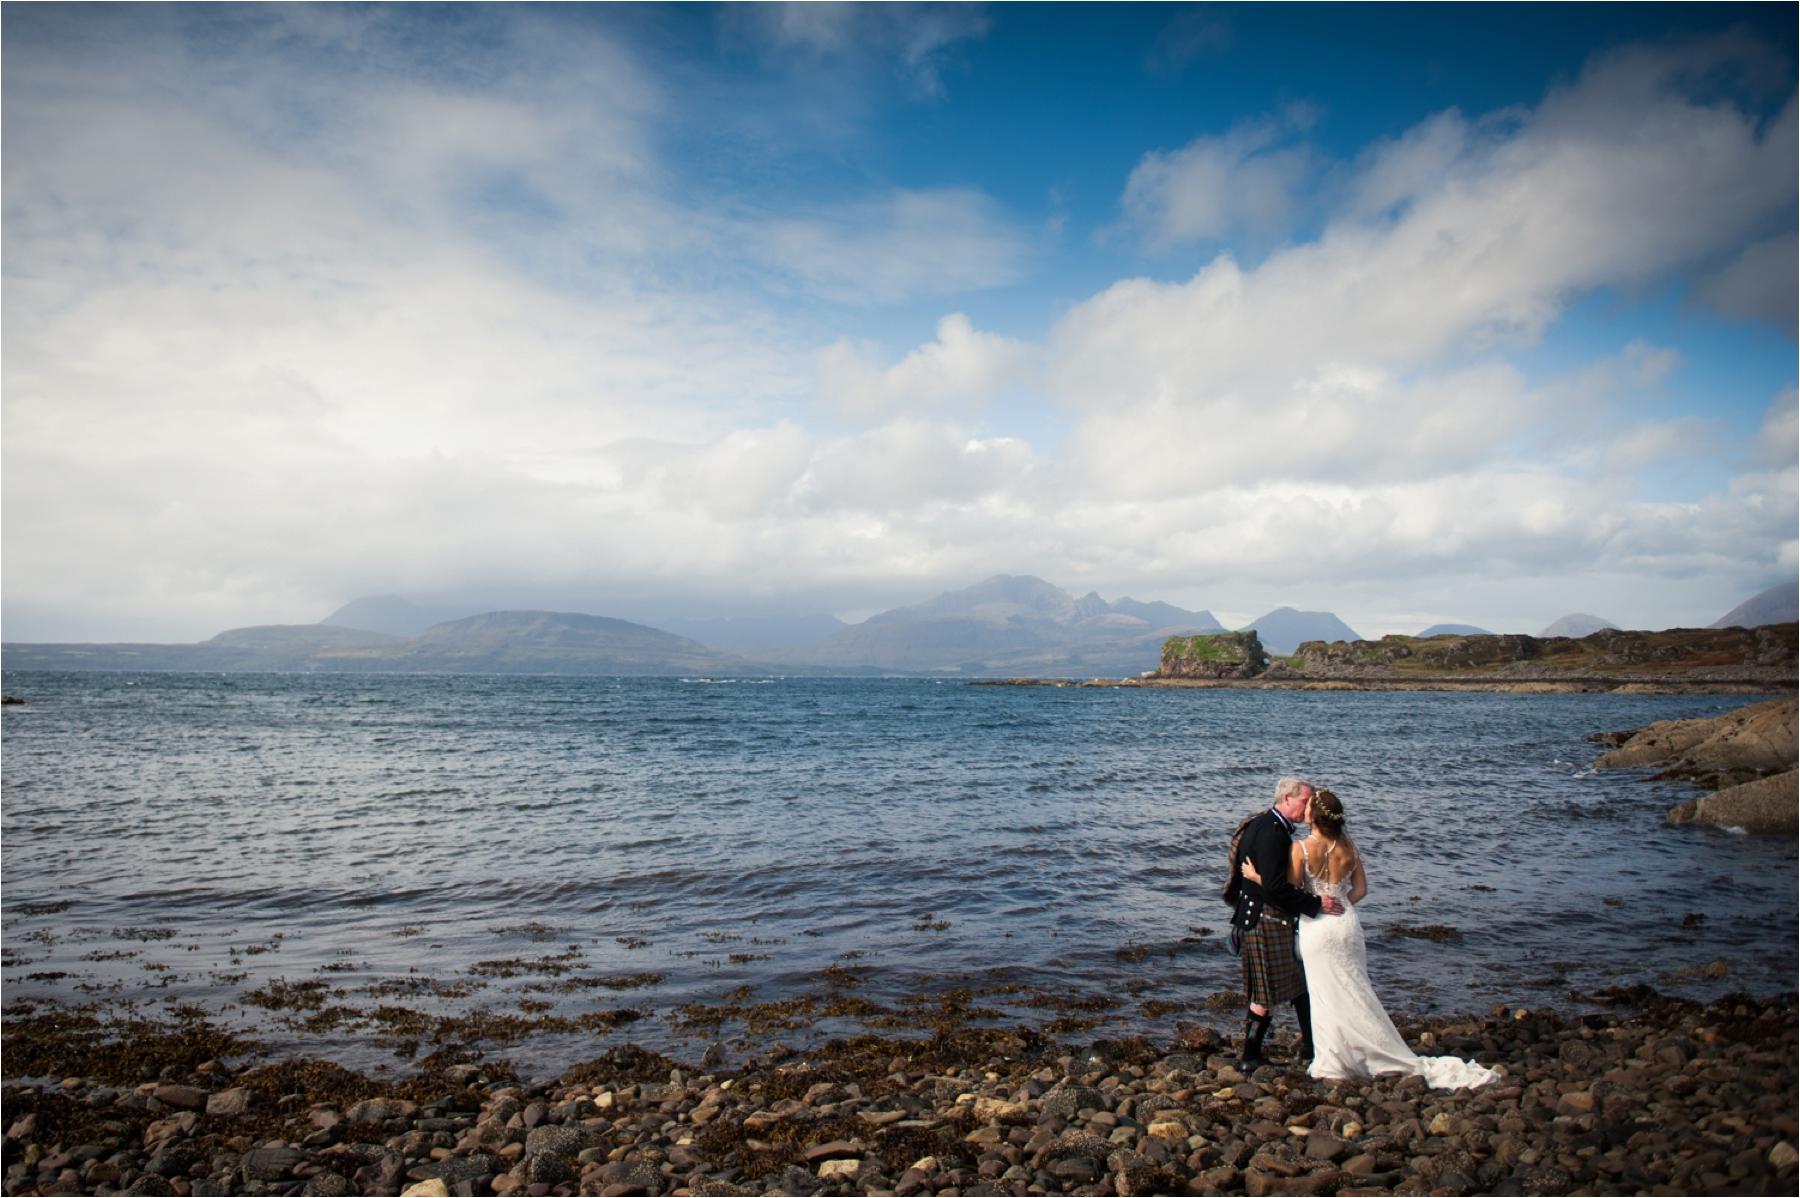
(1272, 973)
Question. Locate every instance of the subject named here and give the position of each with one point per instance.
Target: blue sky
(1465, 313)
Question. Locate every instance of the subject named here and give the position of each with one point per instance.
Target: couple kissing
(1289, 894)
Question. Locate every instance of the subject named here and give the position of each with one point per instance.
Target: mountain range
(1005, 625)
(1011, 624)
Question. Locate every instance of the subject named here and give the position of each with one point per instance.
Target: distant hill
(1780, 604)
(1009, 624)
(396, 616)
(513, 642)
(1455, 630)
(301, 638)
(266, 647)
(551, 642)
(1577, 624)
(756, 636)
(1285, 629)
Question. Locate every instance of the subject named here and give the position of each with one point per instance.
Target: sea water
(189, 839)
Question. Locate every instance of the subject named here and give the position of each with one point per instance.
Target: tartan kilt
(1272, 973)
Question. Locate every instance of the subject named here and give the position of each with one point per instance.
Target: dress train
(1352, 1034)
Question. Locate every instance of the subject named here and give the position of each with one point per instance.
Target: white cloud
(916, 41)
(905, 245)
(907, 464)
(1649, 365)
(1630, 449)
(1333, 355)
(963, 366)
(931, 31)
(1760, 283)
(1342, 423)
(1778, 441)
(1194, 32)
(745, 474)
(821, 28)
(1246, 178)
(1390, 174)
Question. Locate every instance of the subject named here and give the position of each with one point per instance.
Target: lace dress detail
(1352, 1034)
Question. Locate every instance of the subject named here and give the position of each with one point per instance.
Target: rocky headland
(1643, 1095)
(1726, 660)
(1747, 757)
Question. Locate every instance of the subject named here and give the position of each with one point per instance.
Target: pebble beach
(1644, 1094)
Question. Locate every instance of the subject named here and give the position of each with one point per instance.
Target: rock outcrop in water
(1740, 746)
(1748, 756)
(1214, 655)
(1767, 807)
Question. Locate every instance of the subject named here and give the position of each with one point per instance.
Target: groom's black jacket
(1266, 843)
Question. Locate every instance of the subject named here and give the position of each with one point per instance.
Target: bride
(1352, 1034)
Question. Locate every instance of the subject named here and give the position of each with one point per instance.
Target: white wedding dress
(1352, 1034)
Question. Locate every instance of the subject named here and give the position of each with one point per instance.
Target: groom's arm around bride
(1263, 919)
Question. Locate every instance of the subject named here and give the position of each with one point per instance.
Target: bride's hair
(1328, 814)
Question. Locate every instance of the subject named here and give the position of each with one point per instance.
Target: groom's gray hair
(1288, 786)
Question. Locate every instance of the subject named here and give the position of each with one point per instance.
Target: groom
(1264, 914)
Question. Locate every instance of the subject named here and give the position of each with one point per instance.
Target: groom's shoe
(1256, 1027)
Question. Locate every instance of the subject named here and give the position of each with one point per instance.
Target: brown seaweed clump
(1431, 931)
(120, 1047)
(626, 1063)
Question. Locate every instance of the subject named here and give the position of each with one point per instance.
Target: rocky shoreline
(1678, 660)
(1746, 757)
(1648, 1094)
(1667, 685)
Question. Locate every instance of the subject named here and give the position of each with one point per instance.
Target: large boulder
(1740, 746)
(1768, 806)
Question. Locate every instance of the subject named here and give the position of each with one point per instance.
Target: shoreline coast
(1645, 1094)
(1507, 686)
